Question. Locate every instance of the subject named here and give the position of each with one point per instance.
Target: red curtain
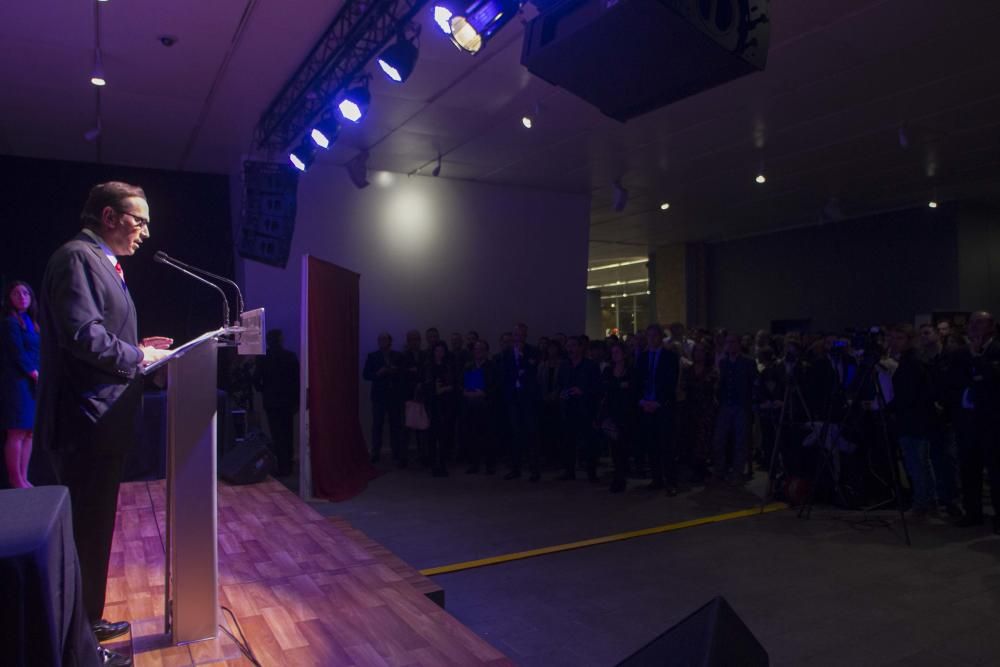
(339, 457)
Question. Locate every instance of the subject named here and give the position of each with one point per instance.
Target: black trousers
(391, 411)
(441, 436)
(281, 421)
(978, 447)
(478, 434)
(93, 473)
(522, 413)
(656, 432)
(580, 442)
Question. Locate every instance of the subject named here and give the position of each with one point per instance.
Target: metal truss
(359, 31)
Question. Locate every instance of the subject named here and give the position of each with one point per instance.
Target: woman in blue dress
(18, 379)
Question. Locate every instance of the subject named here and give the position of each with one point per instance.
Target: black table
(42, 620)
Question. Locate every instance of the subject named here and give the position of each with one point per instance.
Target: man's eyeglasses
(140, 222)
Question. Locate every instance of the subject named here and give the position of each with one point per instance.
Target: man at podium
(87, 400)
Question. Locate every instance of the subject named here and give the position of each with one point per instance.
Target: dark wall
(879, 269)
(979, 250)
(40, 202)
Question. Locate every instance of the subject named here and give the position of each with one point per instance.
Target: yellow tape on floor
(618, 537)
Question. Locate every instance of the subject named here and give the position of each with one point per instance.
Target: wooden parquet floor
(305, 589)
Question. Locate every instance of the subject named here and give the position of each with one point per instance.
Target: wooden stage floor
(306, 590)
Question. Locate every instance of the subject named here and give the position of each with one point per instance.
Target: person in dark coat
(18, 376)
(619, 411)
(276, 376)
(912, 408)
(88, 401)
(479, 394)
(735, 393)
(522, 398)
(441, 392)
(580, 397)
(657, 376)
(384, 369)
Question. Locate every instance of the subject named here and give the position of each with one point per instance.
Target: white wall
(436, 252)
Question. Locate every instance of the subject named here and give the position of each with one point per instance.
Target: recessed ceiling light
(526, 121)
(664, 206)
(761, 178)
(932, 204)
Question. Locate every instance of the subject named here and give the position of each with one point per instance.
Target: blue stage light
(355, 103)
(304, 155)
(473, 27)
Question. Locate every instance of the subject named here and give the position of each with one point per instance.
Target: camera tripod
(792, 391)
(868, 374)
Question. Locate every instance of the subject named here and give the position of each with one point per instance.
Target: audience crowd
(829, 413)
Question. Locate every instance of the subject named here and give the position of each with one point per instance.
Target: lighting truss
(358, 33)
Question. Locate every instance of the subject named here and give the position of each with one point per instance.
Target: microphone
(163, 258)
(195, 269)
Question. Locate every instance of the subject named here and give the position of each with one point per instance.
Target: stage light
(326, 131)
(932, 204)
(304, 155)
(355, 103)
(97, 76)
(526, 121)
(664, 206)
(474, 26)
(442, 17)
(398, 60)
(761, 179)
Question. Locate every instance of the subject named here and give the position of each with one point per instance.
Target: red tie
(120, 270)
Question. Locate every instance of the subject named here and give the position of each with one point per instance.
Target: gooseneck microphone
(164, 258)
(209, 274)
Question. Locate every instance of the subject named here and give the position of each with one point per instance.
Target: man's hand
(152, 354)
(158, 342)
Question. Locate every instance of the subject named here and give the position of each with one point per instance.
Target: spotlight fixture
(97, 76)
(398, 60)
(355, 103)
(761, 179)
(326, 131)
(472, 27)
(304, 155)
(932, 204)
(526, 121)
(664, 206)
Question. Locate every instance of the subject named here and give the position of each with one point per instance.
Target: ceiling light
(472, 27)
(304, 155)
(526, 121)
(326, 131)
(398, 60)
(97, 76)
(355, 103)
(612, 304)
(664, 206)
(932, 204)
(761, 178)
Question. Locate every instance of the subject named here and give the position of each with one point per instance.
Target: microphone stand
(195, 269)
(163, 258)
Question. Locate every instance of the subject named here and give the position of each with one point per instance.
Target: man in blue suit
(90, 355)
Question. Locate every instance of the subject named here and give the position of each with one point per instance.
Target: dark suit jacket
(385, 388)
(89, 346)
(520, 379)
(665, 379)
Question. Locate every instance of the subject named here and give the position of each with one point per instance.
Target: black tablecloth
(42, 620)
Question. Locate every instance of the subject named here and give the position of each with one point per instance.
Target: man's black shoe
(472, 470)
(566, 476)
(969, 520)
(105, 629)
(671, 491)
(654, 486)
(490, 470)
(108, 658)
(513, 474)
(534, 477)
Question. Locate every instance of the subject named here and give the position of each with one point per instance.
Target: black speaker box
(713, 636)
(249, 461)
(629, 57)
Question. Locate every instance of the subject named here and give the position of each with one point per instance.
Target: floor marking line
(617, 537)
